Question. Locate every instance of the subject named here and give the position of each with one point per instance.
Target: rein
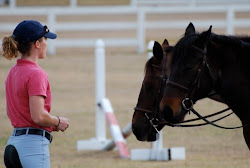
(212, 123)
(201, 118)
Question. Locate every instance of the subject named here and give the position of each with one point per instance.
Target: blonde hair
(10, 47)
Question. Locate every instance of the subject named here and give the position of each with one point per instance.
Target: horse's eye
(189, 67)
(192, 66)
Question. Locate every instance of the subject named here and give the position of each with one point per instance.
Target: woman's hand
(63, 123)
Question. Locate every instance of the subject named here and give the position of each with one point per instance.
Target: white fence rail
(186, 2)
(138, 3)
(140, 25)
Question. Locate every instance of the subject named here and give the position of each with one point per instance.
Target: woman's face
(43, 48)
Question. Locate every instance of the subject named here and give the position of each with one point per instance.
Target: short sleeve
(38, 83)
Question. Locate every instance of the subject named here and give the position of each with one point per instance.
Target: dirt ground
(73, 85)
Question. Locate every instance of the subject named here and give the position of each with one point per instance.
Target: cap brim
(50, 35)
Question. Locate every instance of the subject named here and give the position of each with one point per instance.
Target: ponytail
(10, 47)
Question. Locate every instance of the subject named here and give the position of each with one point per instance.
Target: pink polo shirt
(26, 79)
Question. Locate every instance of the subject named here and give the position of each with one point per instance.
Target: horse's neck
(231, 77)
(227, 56)
(245, 39)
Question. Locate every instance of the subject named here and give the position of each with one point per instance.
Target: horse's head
(147, 108)
(186, 82)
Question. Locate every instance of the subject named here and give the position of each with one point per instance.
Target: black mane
(235, 41)
(183, 47)
(240, 45)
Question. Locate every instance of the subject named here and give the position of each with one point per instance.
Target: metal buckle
(184, 101)
(152, 123)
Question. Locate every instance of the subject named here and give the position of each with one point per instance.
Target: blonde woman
(28, 98)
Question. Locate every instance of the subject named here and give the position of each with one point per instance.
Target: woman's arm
(42, 117)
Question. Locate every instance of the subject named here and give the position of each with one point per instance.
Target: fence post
(133, 3)
(2, 2)
(141, 30)
(73, 3)
(12, 3)
(230, 20)
(51, 24)
(192, 3)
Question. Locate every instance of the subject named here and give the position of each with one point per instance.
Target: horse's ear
(205, 36)
(157, 51)
(190, 29)
(165, 45)
(165, 42)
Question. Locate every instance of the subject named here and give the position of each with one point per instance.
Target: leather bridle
(189, 99)
(187, 102)
(156, 112)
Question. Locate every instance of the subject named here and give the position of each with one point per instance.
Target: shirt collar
(25, 62)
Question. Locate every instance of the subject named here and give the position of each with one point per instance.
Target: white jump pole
(99, 142)
(150, 48)
(104, 111)
(157, 152)
(100, 85)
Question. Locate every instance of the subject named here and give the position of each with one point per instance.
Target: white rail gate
(140, 25)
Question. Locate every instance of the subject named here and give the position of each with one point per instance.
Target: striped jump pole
(125, 132)
(114, 128)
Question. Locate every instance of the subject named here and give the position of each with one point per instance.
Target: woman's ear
(37, 44)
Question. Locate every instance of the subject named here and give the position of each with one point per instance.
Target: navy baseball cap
(31, 30)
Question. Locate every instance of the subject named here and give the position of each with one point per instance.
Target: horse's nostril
(167, 113)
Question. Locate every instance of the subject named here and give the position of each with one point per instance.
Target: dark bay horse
(157, 70)
(151, 92)
(205, 61)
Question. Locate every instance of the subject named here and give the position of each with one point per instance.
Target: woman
(28, 98)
